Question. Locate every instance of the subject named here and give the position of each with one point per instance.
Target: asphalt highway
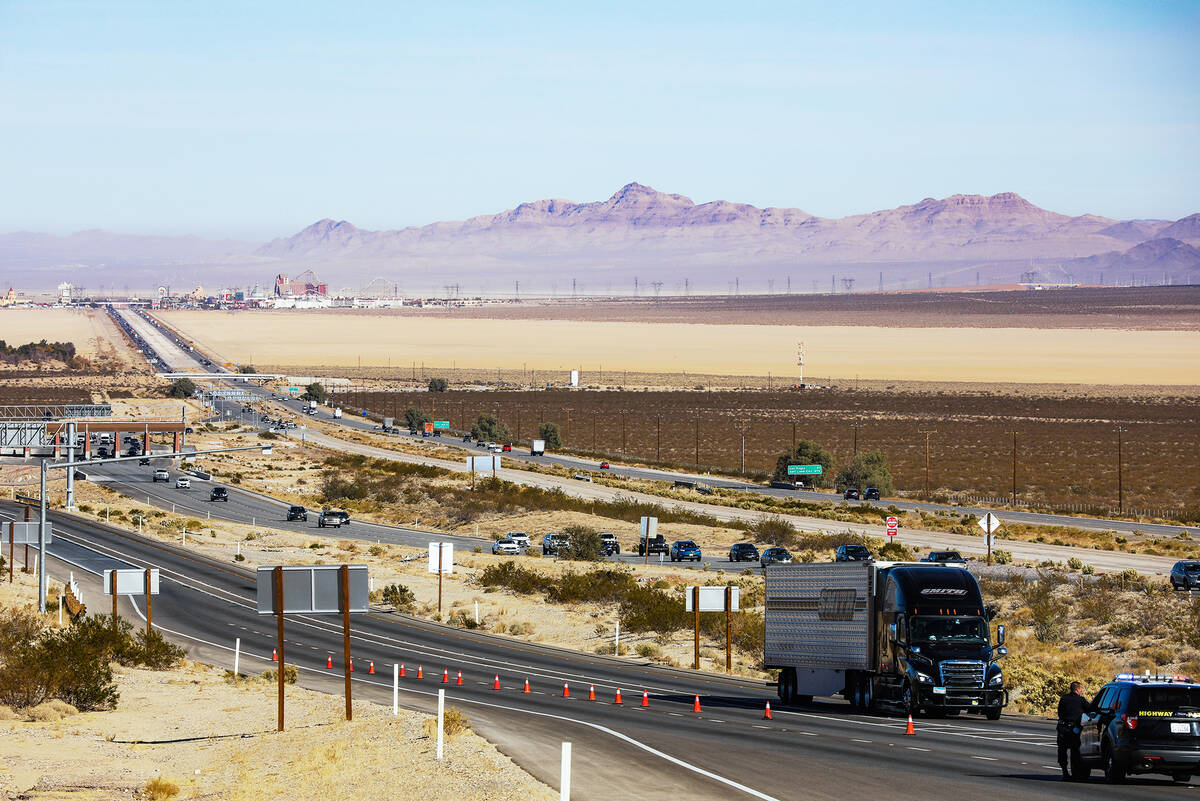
(622, 752)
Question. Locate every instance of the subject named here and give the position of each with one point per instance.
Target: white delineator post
(441, 720)
(477, 613)
(617, 640)
(395, 689)
(237, 653)
(564, 782)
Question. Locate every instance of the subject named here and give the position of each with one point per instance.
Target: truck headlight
(996, 680)
(923, 678)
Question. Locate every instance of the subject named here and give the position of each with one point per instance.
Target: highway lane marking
(1024, 740)
(606, 730)
(807, 733)
(757, 726)
(856, 740)
(989, 759)
(915, 748)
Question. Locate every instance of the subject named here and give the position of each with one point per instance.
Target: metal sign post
(893, 525)
(131, 581)
(441, 560)
(649, 528)
(345, 579)
(278, 575)
(989, 523)
(696, 627)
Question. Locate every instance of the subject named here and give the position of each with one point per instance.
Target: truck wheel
(907, 703)
(1181, 777)
(993, 713)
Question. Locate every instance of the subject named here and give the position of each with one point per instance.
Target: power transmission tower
(848, 285)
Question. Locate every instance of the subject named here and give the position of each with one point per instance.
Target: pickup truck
(333, 518)
(658, 544)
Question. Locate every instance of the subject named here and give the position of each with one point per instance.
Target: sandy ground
(225, 746)
(1084, 356)
(95, 337)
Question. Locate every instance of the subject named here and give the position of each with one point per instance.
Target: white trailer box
(337, 413)
(537, 447)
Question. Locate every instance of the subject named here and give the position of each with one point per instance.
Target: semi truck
(904, 637)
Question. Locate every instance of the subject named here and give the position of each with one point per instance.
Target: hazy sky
(255, 119)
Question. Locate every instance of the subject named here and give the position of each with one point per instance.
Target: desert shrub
(159, 789)
(416, 419)
(376, 550)
(645, 609)
(896, 552)
(1186, 627)
(399, 597)
(315, 392)
(1037, 689)
(585, 544)
(1097, 600)
(598, 585)
(774, 530)
(748, 632)
(520, 628)
(336, 486)
(867, 469)
(181, 388)
(155, 652)
(1047, 611)
(1075, 563)
(511, 576)
(438, 385)
(50, 711)
(488, 428)
(648, 650)
(290, 675)
(549, 432)
(1002, 557)
(454, 723)
(463, 620)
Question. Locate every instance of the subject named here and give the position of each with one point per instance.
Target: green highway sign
(804, 469)
(293, 389)
(441, 423)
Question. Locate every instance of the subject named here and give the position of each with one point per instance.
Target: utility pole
(624, 453)
(1014, 467)
(1120, 485)
(927, 433)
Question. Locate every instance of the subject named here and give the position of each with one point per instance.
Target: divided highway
(664, 751)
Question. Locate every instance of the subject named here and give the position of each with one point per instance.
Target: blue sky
(254, 119)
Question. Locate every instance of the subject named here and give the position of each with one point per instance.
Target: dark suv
(1185, 576)
(852, 553)
(1143, 724)
(743, 552)
(657, 544)
(218, 494)
(297, 513)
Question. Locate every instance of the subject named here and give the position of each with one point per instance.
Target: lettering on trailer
(827, 607)
(835, 604)
(942, 591)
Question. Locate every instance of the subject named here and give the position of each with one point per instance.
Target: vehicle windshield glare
(687, 544)
(957, 630)
(1170, 699)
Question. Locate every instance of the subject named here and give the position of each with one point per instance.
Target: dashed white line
(915, 748)
(989, 759)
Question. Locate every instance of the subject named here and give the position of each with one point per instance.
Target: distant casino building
(306, 283)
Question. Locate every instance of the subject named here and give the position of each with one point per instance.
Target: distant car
(297, 513)
(333, 518)
(582, 477)
(682, 550)
(944, 558)
(851, 494)
(218, 494)
(609, 545)
(467, 438)
(144, 462)
(605, 466)
(520, 538)
(481, 444)
(183, 482)
(871, 494)
(161, 475)
(553, 543)
(775, 556)
(506, 449)
(743, 552)
(189, 430)
(853, 553)
(497, 449)
(506, 546)
(787, 485)
(1185, 575)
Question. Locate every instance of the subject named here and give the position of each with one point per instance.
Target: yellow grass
(90, 329)
(299, 339)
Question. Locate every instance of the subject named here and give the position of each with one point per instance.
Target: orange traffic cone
(496, 683)
(445, 677)
(566, 690)
(618, 696)
(909, 728)
(402, 670)
(767, 714)
(371, 668)
(420, 672)
(459, 682)
(526, 690)
(696, 704)
(274, 655)
(591, 692)
(351, 664)
(645, 698)
(329, 661)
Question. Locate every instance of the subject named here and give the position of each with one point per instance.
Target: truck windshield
(957, 630)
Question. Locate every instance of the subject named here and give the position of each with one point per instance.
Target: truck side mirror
(1000, 634)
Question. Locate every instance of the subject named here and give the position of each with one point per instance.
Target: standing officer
(1071, 709)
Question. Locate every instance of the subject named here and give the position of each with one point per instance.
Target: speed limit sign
(893, 526)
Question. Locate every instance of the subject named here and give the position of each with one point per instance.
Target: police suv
(1143, 724)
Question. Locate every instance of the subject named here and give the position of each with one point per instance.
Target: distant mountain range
(667, 242)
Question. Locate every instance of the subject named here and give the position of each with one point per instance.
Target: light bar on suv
(1146, 677)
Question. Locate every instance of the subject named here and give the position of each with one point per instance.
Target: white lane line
(989, 759)
(808, 733)
(760, 727)
(915, 748)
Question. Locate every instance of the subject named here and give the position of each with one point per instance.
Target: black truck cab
(933, 642)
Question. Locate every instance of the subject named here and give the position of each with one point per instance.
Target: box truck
(337, 413)
(887, 636)
(537, 447)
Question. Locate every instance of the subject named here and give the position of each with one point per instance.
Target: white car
(506, 547)
(183, 482)
(161, 475)
(520, 538)
(496, 449)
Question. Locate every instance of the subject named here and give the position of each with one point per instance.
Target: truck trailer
(887, 636)
(537, 447)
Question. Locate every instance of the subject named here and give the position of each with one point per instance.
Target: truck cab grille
(962, 673)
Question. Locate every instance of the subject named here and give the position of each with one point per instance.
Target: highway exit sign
(804, 470)
(441, 423)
